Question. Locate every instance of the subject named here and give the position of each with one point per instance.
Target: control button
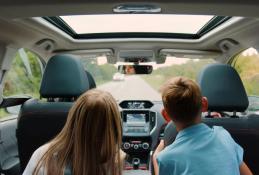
(145, 145)
(126, 145)
(136, 146)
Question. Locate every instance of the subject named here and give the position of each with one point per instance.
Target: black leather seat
(91, 81)
(223, 87)
(39, 121)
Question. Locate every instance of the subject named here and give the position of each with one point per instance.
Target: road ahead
(132, 88)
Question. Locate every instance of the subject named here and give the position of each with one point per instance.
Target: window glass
(175, 67)
(165, 23)
(141, 87)
(247, 65)
(24, 77)
(101, 71)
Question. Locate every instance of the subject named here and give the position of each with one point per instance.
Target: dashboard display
(136, 118)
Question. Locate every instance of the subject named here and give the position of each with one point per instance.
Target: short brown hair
(182, 99)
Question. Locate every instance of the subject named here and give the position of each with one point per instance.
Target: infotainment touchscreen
(136, 118)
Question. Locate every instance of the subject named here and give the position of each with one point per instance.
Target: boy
(197, 149)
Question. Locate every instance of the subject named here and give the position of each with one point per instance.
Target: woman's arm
(123, 155)
(244, 170)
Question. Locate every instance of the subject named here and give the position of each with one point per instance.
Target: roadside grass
(190, 69)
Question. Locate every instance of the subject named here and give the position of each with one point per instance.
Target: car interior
(51, 52)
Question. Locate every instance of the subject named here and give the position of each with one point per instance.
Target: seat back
(40, 121)
(223, 87)
(91, 81)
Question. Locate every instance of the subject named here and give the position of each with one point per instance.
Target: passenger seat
(91, 81)
(41, 120)
(224, 89)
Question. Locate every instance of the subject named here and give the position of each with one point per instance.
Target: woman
(89, 143)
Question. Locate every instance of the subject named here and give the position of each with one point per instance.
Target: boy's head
(182, 100)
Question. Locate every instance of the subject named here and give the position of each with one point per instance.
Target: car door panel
(9, 161)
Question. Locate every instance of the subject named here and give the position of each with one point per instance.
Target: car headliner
(19, 30)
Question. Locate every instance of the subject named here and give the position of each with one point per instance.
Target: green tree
(247, 65)
(101, 73)
(189, 69)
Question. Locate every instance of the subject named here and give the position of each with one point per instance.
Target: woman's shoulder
(35, 158)
(41, 150)
(38, 153)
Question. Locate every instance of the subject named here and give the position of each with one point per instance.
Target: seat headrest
(64, 77)
(91, 81)
(223, 87)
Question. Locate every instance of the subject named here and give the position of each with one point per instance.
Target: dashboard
(141, 124)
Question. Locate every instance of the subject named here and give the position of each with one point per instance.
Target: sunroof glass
(136, 23)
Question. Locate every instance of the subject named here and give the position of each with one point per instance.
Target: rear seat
(223, 87)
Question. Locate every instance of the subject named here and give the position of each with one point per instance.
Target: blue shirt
(201, 150)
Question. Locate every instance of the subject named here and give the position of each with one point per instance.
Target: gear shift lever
(135, 162)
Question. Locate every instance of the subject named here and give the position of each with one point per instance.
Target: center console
(137, 129)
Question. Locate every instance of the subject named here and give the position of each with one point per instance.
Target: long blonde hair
(90, 141)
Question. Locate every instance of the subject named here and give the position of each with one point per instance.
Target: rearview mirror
(135, 69)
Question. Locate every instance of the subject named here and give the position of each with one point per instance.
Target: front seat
(91, 81)
(41, 120)
(224, 89)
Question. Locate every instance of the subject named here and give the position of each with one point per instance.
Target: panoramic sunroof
(134, 23)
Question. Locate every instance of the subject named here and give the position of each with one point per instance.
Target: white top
(37, 155)
(35, 158)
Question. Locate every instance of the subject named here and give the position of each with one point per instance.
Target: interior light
(137, 8)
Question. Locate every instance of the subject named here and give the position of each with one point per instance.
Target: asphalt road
(132, 88)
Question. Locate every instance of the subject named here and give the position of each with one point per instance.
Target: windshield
(141, 87)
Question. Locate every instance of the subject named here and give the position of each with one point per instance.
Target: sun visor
(194, 54)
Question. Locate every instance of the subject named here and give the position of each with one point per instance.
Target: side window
(24, 77)
(247, 65)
